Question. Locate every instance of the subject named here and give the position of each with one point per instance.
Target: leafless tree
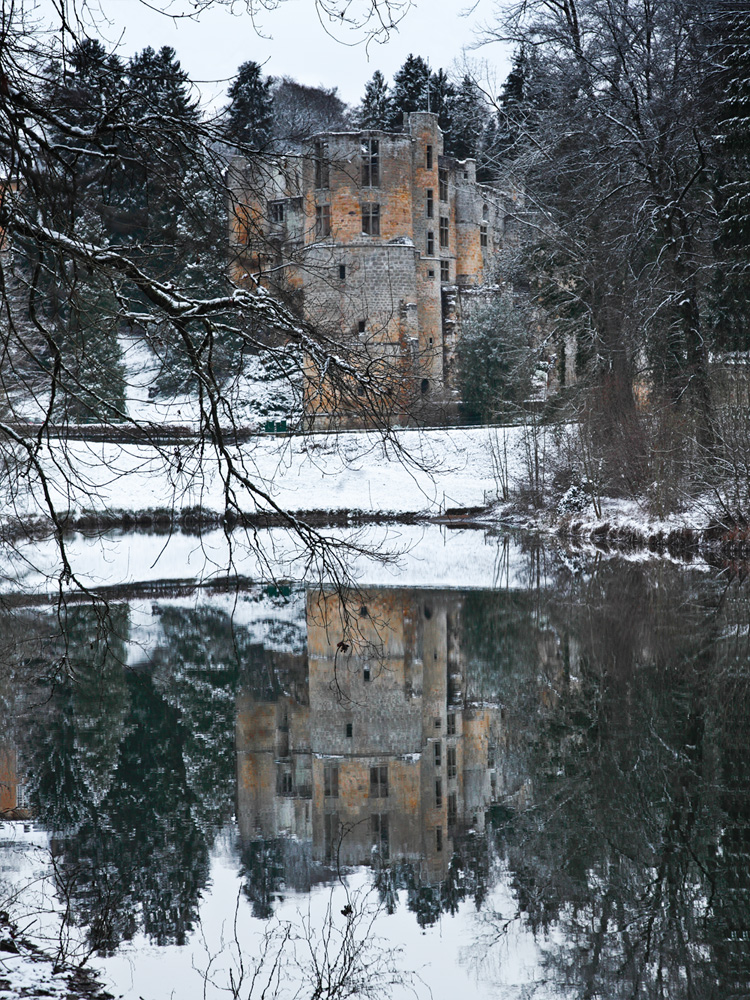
(87, 257)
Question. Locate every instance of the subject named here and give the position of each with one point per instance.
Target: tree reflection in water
(588, 741)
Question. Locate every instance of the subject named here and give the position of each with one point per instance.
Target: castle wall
(367, 233)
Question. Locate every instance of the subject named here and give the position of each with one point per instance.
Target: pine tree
(470, 119)
(376, 110)
(250, 112)
(440, 97)
(410, 85)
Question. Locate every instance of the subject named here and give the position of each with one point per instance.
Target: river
(491, 768)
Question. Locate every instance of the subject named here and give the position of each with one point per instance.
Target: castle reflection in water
(375, 751)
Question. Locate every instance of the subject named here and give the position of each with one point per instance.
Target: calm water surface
(536, 790)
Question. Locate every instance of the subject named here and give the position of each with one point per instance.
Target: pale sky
(291, 41)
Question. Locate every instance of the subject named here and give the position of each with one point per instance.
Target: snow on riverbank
(422, 471)
(429, 555)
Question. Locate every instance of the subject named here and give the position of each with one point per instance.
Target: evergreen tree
(469, 121)
(496, 362)
(409, 91)
(440, 96)
(160, 86)
(76, 307)
(250, 112)
(524, 94)
(376, 109)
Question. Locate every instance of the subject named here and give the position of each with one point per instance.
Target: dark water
(585, 740)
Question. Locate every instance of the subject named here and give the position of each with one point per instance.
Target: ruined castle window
(284, 783)
(438, 838)
(276, 212)
(483, 234)
(430, 244)
(331, 781)
(370, 162)
(443, 231)
(379, 829)
(322, 221)
(371, 219)
(379, 782)
(451, 724)
(438, 751)
(322, 165)
(452, 808)
(331, 834)
(443, 183)
(445, 270)
(430, 203)
(349, 730)
(450, 761)
(342, 271)
(428, 157)
(438, 793)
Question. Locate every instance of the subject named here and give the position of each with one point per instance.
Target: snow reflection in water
(544, 787)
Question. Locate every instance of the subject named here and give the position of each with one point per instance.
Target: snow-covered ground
(422, 471)
(376, 556)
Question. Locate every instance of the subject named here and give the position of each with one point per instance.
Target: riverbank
(454, 476)
(27, 973)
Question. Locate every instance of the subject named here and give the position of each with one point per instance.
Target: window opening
(443, 183)
(443, 232)
(276, 212)
(331, 781)
(379, 830)
(322, 221)
(349, 730)
(331, 834)
(445, 270)
(430, 203)
(370, 162)
(438, 792)
(450, 759)
(451, 723)
(438, 751)
(430, 244)
(371, 219)
(379, 782)
(483, 234)
(342, 271)
(452, 808)
(322, 165)
(428, 157)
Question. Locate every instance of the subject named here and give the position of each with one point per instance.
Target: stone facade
(385, 758)
(372, 235)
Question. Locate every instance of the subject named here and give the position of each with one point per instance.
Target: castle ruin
(374, 237)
